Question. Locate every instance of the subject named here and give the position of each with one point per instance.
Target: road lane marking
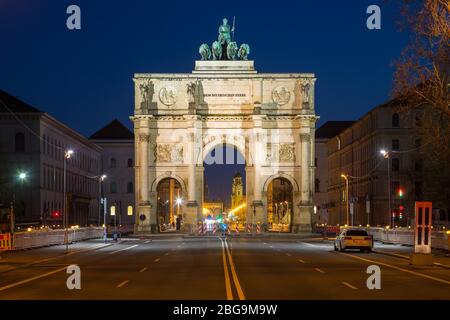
(289, 255)
(33, 278)
(143, 269)
(234, 273)
(148, 241)
(166, 254)
(265, 243)
(120, 285)
(124, 249)
(178, 246)
(157, 259)
(319, 270)
(349, 285)
(271, 246)
(400, 269)
(227, 275)
(300, 260)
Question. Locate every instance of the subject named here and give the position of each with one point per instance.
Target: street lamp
(345, 177)
(22, 176)
(100, 185)
(67, 155)
(386, 155)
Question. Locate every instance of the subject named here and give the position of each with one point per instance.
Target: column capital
(144, 137)
(305, 137)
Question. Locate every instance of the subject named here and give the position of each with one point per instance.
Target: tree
(421, 84)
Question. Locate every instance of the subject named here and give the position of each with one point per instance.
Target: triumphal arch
(179, 118)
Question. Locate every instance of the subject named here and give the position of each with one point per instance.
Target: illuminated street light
(22, 176)
(386, 155)
(179, 201)
(67, 154)
(345, 177)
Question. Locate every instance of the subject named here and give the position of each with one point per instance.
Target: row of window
(113, 163)
(113, 187)
(53, 179)
(396, 120)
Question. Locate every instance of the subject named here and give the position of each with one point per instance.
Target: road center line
(400, 269)
(300, 260)
(127, 248)
(319, 270)
(166, 254)
(227, 275)
(157, 259)
(122, 284)
(349, 285)
(289, 255)
(33, 278)
(234, 274)
(143, 269)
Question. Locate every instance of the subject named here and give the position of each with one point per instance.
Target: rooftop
(115, 130)
(331, 129)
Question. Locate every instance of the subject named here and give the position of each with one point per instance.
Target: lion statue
(232, 50)
(216, 50)
(205, 52)
(244, 51)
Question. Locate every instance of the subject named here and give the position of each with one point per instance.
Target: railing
(38, 238)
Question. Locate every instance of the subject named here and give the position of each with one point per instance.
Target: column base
(146, 229)
(301, 228)
(421, 259)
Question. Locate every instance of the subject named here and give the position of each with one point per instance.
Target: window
(418, 165)
(19, 142)
(130, 163)
(418, 142)
(419, 118)
(113, 162)
(395, 120)
(130, 210)
(317, 185)
(395, 144)
(395, 164)
(113, 187)
(130, 187)
(418, 189)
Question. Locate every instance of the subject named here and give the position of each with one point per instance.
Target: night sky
(84, 78)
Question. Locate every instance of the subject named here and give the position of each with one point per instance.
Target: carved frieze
(281, 95)
(171, 153)
(168, 95)
(280, 152)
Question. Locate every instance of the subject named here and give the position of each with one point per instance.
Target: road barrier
(439, 239)
(237, 229)
(5, 242)
(249, 228)
(200, 228)
(214, 228)
(43, 238)
(258, 228)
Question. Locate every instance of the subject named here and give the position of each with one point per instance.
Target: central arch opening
(224, 190)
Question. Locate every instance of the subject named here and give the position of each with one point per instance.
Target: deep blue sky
(84, 78)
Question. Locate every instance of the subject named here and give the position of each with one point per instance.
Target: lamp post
(100, 188)
(345, 177)
(67, 155)
(386, 155)
(22, 177)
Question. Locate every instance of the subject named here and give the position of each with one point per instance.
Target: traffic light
(400, 192)
(56, 214)
(401, 212)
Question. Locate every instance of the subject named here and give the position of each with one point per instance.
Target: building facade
(179, 118)
(324, 133)
(356, 152)
(117, 163)
(237, 196)
(33, 143)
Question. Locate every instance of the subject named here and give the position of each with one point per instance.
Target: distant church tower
(237, 196)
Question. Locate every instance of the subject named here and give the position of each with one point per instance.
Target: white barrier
(38, 238)
(439, 239)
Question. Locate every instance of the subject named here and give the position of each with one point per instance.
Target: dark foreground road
(211, 268)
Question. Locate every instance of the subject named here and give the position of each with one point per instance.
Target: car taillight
(348, 238)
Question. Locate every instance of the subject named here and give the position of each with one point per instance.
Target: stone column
(258, 214)
(191, 216)
(143, 217)
(305, 195)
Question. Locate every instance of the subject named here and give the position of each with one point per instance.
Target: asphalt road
(211, 268)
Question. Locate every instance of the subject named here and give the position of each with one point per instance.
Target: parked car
(353, 239)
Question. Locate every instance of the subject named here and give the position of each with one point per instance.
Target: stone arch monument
(178, 118)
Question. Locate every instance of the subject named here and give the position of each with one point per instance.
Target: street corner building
(179, 118)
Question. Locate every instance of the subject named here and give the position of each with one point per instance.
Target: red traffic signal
(56, 214)
(401, 208)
